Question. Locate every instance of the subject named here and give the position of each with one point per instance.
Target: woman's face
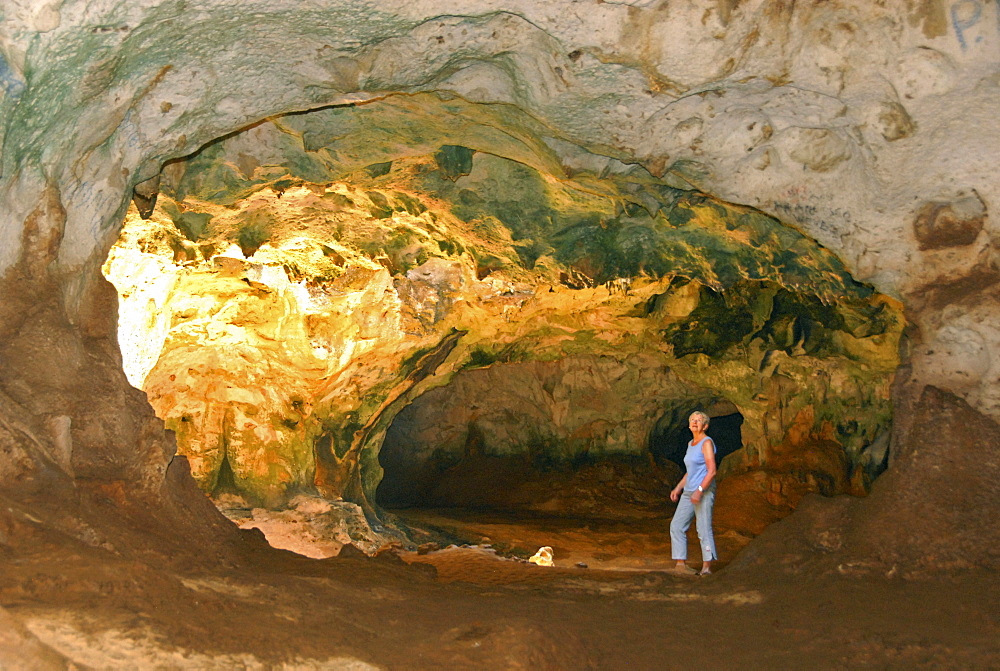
(697, 424)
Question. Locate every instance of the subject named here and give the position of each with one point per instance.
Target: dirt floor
(316, 530)
(98, 606)
(636, 544)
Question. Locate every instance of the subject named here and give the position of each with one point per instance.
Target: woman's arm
(675, 493)
(708, 451)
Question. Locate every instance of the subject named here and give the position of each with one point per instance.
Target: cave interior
(322, 318)
(330, 320)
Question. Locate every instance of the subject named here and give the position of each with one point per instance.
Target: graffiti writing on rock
(967, 20)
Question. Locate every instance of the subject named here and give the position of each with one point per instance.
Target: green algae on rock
(313, 284)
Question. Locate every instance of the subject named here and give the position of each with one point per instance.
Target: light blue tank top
(694, 461)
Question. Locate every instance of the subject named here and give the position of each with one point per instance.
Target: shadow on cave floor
(150, 606)
(127, 595)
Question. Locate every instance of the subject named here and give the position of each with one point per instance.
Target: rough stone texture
(20, 650)
(279, 325)
(310, 526)
(950, 224)
(843, 118)
(565, 409)
(506, 435)
(896, 103)
(928, 514)
(944, 442)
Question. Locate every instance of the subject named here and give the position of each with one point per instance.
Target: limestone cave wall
(277, 323)
(867, 127)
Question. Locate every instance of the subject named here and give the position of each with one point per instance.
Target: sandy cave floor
(637, 544)
(624, 544)
(326, 613)
(275, 609)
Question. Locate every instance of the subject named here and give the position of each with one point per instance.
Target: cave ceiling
(303, 271)
(864, 127)
(750, 195)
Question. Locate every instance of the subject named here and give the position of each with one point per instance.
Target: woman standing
(695, 496)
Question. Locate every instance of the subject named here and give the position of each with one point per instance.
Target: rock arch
(95, 102)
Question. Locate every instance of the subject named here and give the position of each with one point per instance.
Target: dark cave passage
(528, 438)
(525, 244)
(671, 435)
(610, 512)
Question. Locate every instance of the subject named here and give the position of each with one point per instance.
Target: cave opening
(671, 434)
(624, 201)
(393, 306)
(453, 464)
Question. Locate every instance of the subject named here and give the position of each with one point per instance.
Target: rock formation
(279, 325)
(354, 204)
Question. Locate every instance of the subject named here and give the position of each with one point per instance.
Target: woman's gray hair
(703, 416)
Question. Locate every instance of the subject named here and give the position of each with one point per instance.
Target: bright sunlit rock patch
(279, 325)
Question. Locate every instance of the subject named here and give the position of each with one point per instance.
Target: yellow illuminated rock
(543, 557)
(495, 251)
(280, 334)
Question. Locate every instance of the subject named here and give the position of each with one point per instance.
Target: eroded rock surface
(543, 321)
(866, 125)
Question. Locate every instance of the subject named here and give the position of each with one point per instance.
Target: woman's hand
(695, 496)
(675, 495)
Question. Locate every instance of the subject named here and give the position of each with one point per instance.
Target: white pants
(682, 521)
